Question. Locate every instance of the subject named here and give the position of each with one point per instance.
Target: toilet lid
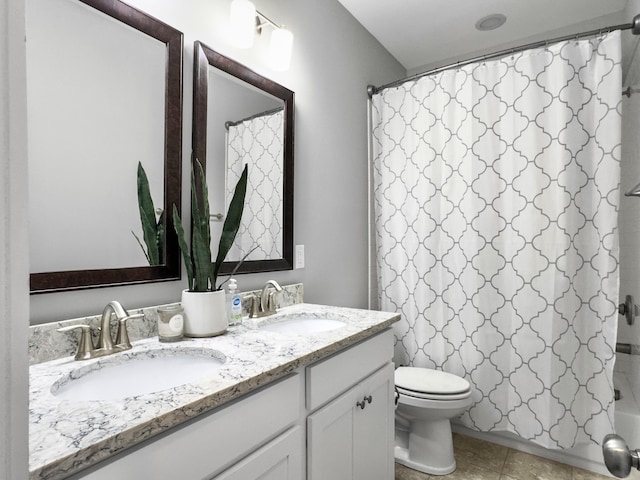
(430, 381)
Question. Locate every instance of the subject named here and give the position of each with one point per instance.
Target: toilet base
(427, 446)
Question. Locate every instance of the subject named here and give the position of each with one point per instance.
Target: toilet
(426, 402)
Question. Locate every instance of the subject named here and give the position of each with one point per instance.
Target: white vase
(205, 313)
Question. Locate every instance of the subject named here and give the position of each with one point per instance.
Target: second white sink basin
(303, 325)
(133, 374)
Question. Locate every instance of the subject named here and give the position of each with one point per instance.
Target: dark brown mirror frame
(203, 58)
(82, 279)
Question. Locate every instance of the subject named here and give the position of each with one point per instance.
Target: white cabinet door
(330, 439)
(348, 442)
(280, 459)
(373, 435)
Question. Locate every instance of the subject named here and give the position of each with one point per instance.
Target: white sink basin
(133, 374)
(303, 325)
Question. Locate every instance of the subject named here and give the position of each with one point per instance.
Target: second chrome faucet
(265, 304)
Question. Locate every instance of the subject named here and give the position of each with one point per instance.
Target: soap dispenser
(234, 303)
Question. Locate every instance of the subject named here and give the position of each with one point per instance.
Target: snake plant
(152, 229)
(202, 274)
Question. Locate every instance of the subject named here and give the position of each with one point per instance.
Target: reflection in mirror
(258, 141)
(104, 89)
(241, 117)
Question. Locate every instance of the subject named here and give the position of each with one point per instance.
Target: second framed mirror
(240, 117)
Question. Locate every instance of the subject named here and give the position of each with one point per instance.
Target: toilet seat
(430, 384)
(433, 396)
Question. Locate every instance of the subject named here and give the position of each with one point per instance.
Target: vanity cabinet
(351, 436)
(340, 408)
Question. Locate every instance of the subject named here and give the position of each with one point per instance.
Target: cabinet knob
(363, 403)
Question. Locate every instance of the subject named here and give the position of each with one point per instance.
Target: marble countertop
(67, 436)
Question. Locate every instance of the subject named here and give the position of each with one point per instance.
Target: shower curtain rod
(230, 123)
(634, 26)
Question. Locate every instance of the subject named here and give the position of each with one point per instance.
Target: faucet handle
(271, 302)
(122, 337)
(85, 345)
(254, 310)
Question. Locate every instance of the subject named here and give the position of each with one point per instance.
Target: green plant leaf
(201, 231)
(201, 252)
(160, 227)
(235, 269)
(206, 214)
(177, 225)
(232, 221)
(147, 217)
(200, 269)
(141, 246)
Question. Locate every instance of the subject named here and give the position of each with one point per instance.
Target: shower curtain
(259, 142)
(496, 191)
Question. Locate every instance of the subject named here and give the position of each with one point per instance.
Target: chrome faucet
(267, 300)
(105, 346)
(105, 341)
(266, 303)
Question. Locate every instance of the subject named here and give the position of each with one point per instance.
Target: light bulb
(280, 49)
(243, 23)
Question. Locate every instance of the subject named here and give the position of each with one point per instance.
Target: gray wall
(14, 266)
(334, 58)
(629, 219)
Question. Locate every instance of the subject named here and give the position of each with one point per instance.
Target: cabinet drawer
(212, 442)
(330, 377)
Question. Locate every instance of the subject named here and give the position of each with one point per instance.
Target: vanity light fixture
(246, 21)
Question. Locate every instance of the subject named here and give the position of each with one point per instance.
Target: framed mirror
(240, 117)
(104, 90)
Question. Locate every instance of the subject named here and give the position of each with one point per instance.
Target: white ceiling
(424, 33)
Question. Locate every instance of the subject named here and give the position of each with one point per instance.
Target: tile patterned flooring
(479, 460)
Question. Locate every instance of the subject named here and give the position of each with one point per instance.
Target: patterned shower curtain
(259, 142)
(496, 191)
